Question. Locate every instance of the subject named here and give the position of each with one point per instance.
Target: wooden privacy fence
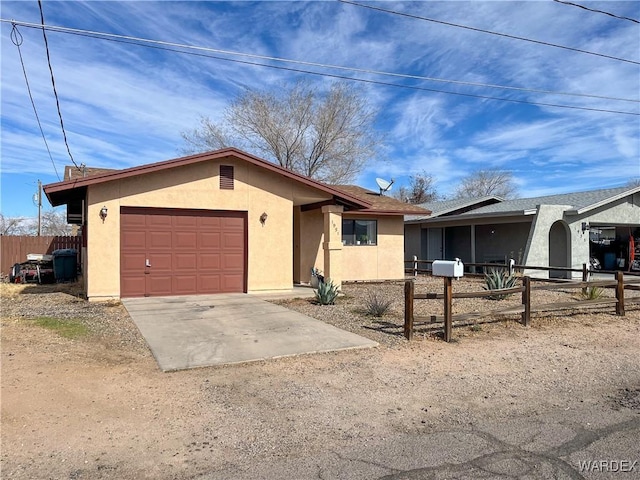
(525, 309)
(14, 248)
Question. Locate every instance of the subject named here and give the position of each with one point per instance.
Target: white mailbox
(448, 268)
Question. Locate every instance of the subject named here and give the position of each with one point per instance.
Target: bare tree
(634, 182)
(421, 189)
(327, 136)
(487, 182)
(15, 225)
(54, 222)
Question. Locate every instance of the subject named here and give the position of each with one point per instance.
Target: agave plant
(497, 280)
(326, 293)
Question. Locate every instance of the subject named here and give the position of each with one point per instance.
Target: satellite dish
(384, 185)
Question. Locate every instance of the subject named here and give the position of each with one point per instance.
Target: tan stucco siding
(256, 191)
(377, 262)
(311, 239)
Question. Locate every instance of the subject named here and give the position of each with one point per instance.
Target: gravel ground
(350, 311)
(98, 407)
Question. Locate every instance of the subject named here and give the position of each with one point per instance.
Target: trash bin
(65, 264)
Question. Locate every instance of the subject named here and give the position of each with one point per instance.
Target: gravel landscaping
(98, 407)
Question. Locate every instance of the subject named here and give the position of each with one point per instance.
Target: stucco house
(558, 230)
(226, 221)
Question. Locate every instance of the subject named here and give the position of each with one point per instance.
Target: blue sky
(125, 105)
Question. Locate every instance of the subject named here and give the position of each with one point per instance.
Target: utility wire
(344, 77)
(53, 84)
(598, 11)
(514, 37)
(16, 39)
(106, 36)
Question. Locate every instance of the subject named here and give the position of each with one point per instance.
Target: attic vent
(226, 177)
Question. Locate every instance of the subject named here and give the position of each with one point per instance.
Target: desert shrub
(591, 293)
(497, 279)
(375, 305)
(326, 293)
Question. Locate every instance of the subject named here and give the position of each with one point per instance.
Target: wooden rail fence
(14, 248)
(525, 309)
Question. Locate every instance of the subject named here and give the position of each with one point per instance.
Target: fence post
(415, 265)
(526, 301)
(620, 294)
(448, 299)
(408, 309)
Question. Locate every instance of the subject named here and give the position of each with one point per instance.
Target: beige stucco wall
(270, 247)
(311, 227)
(384, 261)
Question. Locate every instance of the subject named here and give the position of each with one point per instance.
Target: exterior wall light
(263, 218)
(103, 213)
(585, 226)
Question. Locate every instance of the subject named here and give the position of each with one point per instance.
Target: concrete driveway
(205, 330)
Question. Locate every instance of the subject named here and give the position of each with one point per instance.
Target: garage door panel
(210, 261)
(187, 239)
(134, 286)
(185, 284)
(231, 283)
(189, 251)
(211, 223)
(160, 262)
(134, 239)
(232, 240)
(159, 221)
(132, 262)
(185, 261)
(210, 283)
(158, 285)
(209, 240)
(233, 263)
(185, 221)
(160, 240)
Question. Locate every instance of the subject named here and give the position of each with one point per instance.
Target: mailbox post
(448, 269)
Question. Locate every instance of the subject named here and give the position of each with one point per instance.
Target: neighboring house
(227, 221)
(557, 230)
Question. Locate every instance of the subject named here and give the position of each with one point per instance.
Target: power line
(139, 40)
(16, 39)
(344, 77)
(598, 11)
(506, 35)
(53, 84)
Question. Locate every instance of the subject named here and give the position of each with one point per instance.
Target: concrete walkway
(206, 330)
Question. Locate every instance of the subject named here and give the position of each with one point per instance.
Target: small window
(359, 232)
(226, 177)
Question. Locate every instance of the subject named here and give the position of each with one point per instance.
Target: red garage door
(182, 252)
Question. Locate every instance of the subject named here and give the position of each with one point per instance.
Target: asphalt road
(578, 442)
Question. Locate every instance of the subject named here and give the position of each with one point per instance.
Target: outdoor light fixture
(585, 226)
(263, 218)
(103, 213)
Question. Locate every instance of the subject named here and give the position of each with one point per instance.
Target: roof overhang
(62, 192)
(602, 203)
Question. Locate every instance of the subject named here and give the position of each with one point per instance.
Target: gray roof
(451, 207)
(577, 202)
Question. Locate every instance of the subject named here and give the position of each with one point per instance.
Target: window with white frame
(359, 232)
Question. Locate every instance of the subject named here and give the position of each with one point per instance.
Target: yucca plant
(326, 293)
(376, 305)
(496, 279)
(591, 293)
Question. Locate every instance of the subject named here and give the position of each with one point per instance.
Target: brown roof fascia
(69, 185)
